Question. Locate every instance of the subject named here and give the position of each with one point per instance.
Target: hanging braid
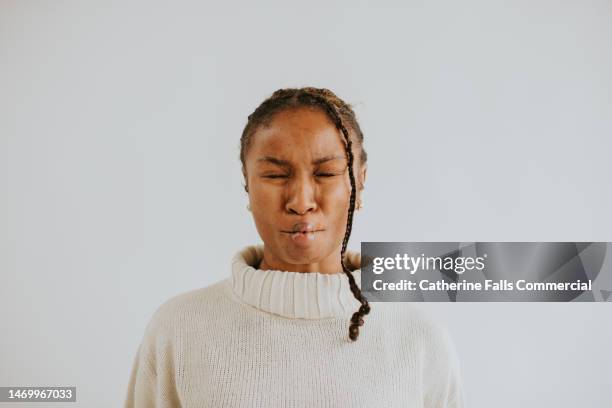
(337, 110)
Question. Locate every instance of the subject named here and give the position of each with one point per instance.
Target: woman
(274, 333)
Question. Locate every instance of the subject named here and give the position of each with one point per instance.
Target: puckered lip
(303, 226)
(293, 232)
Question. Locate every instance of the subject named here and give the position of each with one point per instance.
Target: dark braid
(336, 110)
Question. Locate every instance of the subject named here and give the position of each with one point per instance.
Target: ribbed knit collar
(310, 295)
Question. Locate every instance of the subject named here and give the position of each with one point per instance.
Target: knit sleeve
(141, 388)
(443, 383)
(152, 380)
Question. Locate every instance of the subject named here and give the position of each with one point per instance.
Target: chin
(304, 255)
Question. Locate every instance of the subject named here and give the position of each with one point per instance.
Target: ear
(245, 183)
(361, 178)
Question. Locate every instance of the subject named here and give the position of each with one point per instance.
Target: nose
(301, 195)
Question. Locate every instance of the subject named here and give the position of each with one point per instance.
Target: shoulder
(416, 328)
(418, 336)
(193, 299)
(173, 314)
(435, 343)
(438, 362)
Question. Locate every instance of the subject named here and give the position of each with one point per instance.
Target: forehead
(298, 134)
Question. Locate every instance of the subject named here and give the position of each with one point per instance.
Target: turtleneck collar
(306, 295)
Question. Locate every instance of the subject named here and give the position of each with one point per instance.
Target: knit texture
(280, 339)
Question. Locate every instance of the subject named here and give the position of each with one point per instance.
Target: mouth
(303, 228)
(301, 232)
(304, 235)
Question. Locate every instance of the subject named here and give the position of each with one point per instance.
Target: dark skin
(296, 170)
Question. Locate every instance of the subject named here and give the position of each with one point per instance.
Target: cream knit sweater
(280, 339)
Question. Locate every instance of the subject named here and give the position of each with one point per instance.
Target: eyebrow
(285, 163)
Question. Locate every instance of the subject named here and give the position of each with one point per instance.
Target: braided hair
(340, 113)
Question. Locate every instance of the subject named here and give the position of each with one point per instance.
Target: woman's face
(298, 180)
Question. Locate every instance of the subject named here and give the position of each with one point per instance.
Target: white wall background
(120, 182)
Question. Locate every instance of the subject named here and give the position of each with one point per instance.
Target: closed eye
(276, 176)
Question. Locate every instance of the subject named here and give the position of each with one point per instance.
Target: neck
(328, 265)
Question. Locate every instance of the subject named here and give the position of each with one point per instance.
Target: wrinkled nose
(301, 196)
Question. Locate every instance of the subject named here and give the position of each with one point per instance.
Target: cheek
(264, 196)
(336, 203)
(263, 203)
(341, 190)
(336, 194)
